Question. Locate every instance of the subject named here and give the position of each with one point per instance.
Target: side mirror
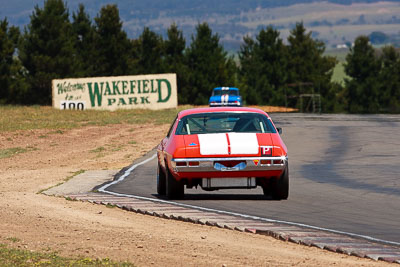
(279, 130)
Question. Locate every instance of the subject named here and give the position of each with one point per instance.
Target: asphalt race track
(344, 175)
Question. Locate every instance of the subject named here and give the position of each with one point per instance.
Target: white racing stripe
(224, 99)
(243, 143)
(213, 144)
(128, 172)
(217, 144)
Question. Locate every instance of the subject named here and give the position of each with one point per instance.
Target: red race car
(222, 147)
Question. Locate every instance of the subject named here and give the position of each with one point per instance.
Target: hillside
(335, 21)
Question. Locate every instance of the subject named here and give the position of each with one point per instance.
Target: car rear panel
(227, 144)
(229, 155)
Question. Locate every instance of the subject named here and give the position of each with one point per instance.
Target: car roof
(226, 88)
(220, 109)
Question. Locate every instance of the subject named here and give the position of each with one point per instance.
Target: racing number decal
(266, 150)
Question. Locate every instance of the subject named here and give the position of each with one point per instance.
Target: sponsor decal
(256, 161)
(192, 144)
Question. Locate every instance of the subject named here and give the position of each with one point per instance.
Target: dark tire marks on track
(341, 178)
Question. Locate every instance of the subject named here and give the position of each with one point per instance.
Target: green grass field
(338, 73)
(9, 152)
(16, 257)
(15, 118)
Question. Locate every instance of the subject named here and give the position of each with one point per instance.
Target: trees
(374, 84)
(263, 70)
(47, 50)
(273, 53)
(270, 69)
(363, 67)
(112, 44)
(389, 80)
(378, 37)
(247, 67)
(209, 65)
(52, 47)
(148, 53)
(175, 61)
(9, 37)
(85, 43)
(307, 64)
(174, 47)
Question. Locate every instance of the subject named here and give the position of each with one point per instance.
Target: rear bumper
(224, 166)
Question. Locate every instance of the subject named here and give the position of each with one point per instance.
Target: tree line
(268, 70)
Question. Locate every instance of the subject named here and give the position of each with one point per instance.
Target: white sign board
(155, 91)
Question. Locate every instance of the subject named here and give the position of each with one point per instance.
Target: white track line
(128, 172)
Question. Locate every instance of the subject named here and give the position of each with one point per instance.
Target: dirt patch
(271, 109)
(41, 223)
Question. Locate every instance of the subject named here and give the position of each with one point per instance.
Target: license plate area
(219, 183)
(231, 165)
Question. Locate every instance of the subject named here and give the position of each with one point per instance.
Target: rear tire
(174, 188)
(280, 186)
(161, 181)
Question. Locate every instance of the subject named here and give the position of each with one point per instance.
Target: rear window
(223, 122)
(234, 92)
(225, 92)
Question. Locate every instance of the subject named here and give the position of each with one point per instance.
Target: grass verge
(9, 152)
(15, 118)
(17, 257)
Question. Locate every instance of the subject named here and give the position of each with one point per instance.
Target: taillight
(181, 164)
(265, 162)
(194, 163)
